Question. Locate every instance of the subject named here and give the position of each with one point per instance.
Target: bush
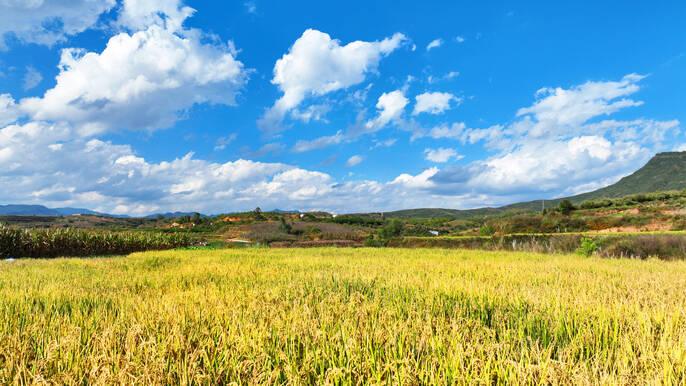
(645, 246)
(587, 247)
(566, 207)
(358, 220)
(284, 226)
(393, 228)
(487, 230)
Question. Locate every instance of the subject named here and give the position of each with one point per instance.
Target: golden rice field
(342, 316)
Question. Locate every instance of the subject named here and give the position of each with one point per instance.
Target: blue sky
(139, 106)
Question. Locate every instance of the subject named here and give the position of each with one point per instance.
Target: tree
(393, 228)
(285, 227)
(566, 207)
(257, 213)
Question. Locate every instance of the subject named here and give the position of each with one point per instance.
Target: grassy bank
(667, 245)
(351, 316)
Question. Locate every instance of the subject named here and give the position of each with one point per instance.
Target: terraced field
(343, 316)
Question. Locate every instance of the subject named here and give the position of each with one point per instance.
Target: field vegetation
(343, 316)
(17, 242)
(644, 245)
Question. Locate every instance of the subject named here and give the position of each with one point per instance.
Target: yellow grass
(350, 316)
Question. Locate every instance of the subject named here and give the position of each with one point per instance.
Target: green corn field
(16, 243)
(343, 316)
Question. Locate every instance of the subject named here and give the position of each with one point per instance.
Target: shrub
(587, 247)
(645, 246)
(358, 220)
(284, 226)
(566, 207)
(393, 228)
(487, 230)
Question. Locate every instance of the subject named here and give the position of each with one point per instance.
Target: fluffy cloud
(441, 155)
(8, 109)
(459, 131)
(560, 110)
(433, 102)
(311, 113)
(50, 164)
(551, 166)
(422, 180)
(354, 161)
(141, 14)
(391, 106)
(436, 43)
(558, 142)
(48, 21)
(140, 81)
(317, 65)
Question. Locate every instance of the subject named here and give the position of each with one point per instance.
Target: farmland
(348, 316)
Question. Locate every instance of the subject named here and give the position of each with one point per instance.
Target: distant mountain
(73, 211)
(280, 211)
(27, 210)
(40, 210)
(665, 171)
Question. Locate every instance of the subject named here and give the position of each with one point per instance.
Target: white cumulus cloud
(48, 21)
(441, 155)
(558, 143)
(141, 14)
(143, 80)
(434, 102)
(391, 106)
(316, 65)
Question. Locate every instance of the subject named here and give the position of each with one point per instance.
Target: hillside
(664, 172)
(442, 213)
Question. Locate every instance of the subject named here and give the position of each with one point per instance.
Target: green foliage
(358, 220)
(374, 242)
(632, 200)
(47, 243)
(392, 228)
(566, 207)
(284, 226)
(487, 230)
(257, 214)
(587, 247)
(309, 217)
(645, 246)
(313, 233)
